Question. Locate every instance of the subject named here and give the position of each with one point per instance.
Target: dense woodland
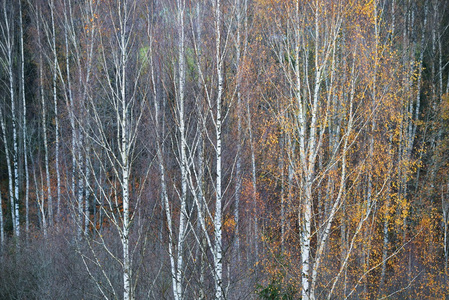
(224, 149)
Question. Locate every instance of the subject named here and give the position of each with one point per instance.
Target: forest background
(224, 149)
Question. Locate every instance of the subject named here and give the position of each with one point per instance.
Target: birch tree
(324, 62)
(55, 106)
(120, 89)
(177, 223)
(24, 119)
(209, 206)
(7, 48)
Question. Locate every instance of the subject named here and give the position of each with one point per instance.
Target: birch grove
(224, 149)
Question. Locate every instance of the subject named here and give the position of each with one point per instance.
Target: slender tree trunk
(304, 210)
(386, 222)
(88, 189)
(55, 103)
(125, 149)
(369, 192)
(387, 204)
(414, 115)
(254, 185)
(44, 129)
(201, 127)
(183, 148)
(160, 134)
(217, 253)
(24, 122)
(7, 47)
(15, 153)
(8, 164)
(40, 192)
(69, 36)
(385, 245)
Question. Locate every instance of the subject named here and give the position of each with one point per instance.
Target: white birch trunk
(40, 192)
(386, 221)
(24, 121)
(184, 163)
(44, 128)
(70, 39)
(159, 129)
(307, 112)
(201, 240)
(168, 214)
(414, 114)
(217, 251)
(304, 210)
(88, 189)
(254, 185)
(69, 99)
(367, 235)
(330, 212)
(7, 49)
(55, 103)
(16, 150)
(8, 164)
(178, 288)
(125, 149)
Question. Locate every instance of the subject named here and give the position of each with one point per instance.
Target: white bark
(6, 47)
(240, 48)
(305, 208)
(41, 202)
(176, 254)
(201, 239)
(183, 148)
(217, 251)
(88, 189)
(367, 235)
(413, 111)
(254, 185)
(55, 103)
(168, 214)
(308, 109)
(160, 135)
(44, 129)
(386, 223)
(82, 57)
(214, 106)
(8, 164)
(91, 133)
(125, 149)
(68, 31)
(15, 146)
(24, 123)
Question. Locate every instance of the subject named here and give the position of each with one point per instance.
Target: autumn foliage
(224, 149)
